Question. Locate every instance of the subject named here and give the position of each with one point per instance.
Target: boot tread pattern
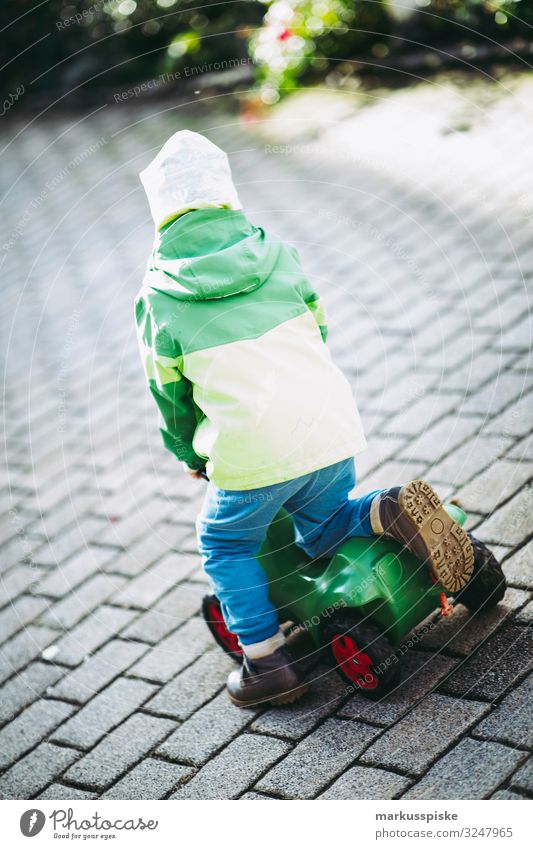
(449, 550)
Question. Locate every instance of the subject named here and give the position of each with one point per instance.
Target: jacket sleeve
(312, 300)
(316, 305)
(172, 392)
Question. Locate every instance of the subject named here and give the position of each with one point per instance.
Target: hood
(211, 253)
(189, 172)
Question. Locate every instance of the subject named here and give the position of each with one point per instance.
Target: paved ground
(110, 684)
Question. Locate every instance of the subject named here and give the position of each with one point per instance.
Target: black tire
(212, 613)
(370, 664)
(487, 585)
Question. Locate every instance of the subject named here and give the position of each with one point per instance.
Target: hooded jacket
(232, 338)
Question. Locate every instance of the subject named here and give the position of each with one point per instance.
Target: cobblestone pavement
(110, 684)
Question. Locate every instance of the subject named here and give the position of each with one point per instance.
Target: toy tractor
(360, 604)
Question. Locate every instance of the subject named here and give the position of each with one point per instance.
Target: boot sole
(436, 538)
(283, 699)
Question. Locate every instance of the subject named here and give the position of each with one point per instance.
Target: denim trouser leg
(231, 529)
(324, 515)
(233, 524)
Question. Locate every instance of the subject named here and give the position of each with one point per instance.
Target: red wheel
(361, 654)
(356, 665)
(212, 613)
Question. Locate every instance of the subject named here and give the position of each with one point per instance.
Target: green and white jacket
(233, 344)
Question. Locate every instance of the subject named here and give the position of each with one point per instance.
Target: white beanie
(189, 172)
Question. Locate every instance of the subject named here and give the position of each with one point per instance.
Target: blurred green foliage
(74, 48)
(302, 39)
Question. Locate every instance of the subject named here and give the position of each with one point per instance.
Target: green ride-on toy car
(360, 604)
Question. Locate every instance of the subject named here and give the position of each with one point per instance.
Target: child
(233, 338)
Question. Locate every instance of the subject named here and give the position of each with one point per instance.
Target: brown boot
(274, 678)
(413, 514)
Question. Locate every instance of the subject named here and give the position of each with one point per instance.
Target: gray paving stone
(495, 485)
(518, 568)
(525, 615)
(8, 527)
(465, 462)
(138, 556)
(393, 470)
(19, 550)
(104, 712)
(17, 580)
(173, 610)
(62, 791)
(362, 782)
(182, 537)
(515, 420)
(62, 515)
(120, 504)
(24, 688)
(151, 779)
(417, 740)
(382, 450)
(192, 688)
(56, 491)
(508, 795)
(119, 751)
(188, 545)
(256, 797)
(73, 571)
(421, 672)
(419, 414)
(98, 670)
(199, 577)
(296, 720)
(466, 378)
(182, 516)
(522, 449)
(439, 440)
(207, 731)
(235, 769)
(20, 613)
(511, 524)
(317, 759)
(471, 770)
(81, 601)
(34, 772)
(90, 634)
(26, 646)
(463, 631)
(510, 722)
(175, 652)
(506, 312)
(498, 663)
(129, 529)
(116, 478)
(517, 338)
(494, 396)
(81, 535)
(29, 728)
(523, 778)
(158, 580)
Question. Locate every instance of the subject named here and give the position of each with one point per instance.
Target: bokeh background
(391, 143)
(77, 51)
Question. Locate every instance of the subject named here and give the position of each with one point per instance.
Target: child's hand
(195, 473)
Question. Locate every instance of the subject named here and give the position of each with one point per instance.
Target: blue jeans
(232, 526)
